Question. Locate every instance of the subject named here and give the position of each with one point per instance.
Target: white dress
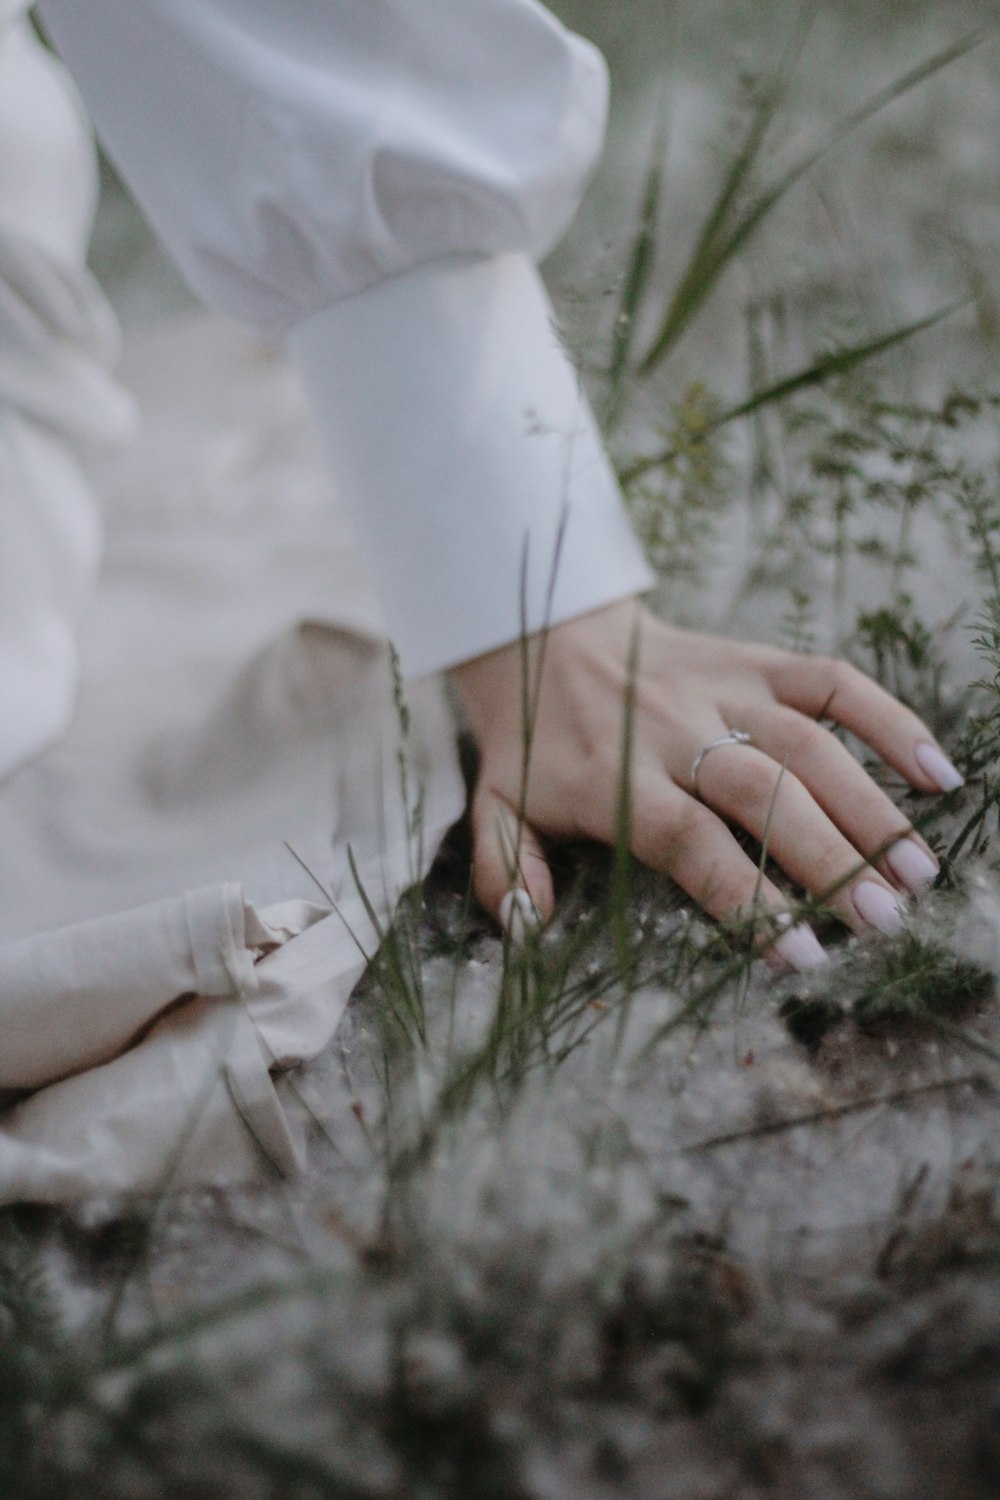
(330, 176)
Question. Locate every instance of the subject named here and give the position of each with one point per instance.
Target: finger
(674, 833)
(768, 800)
(862, 811)
(817, 685)
(510, 872)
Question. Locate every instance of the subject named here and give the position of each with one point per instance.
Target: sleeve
(373, 181)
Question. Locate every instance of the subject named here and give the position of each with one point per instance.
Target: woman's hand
(822, 814)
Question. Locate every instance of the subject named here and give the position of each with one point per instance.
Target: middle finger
(743, 784)
(862, 811)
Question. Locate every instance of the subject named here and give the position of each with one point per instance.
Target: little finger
(823, 686)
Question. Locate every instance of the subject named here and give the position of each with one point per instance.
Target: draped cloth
(163, 950)
(203, 758)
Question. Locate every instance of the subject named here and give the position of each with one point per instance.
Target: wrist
(489, 683)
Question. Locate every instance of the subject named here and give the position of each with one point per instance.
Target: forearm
(334, 175)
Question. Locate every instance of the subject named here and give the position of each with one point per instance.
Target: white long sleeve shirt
(372, 181)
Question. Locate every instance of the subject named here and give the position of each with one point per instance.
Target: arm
(372, 179)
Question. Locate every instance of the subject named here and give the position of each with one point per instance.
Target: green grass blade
(401, 990)
(703, 266)
(759, 211)
(622, 867)
(713, 256)
(637, 275)
(903, 85)
(840, 362)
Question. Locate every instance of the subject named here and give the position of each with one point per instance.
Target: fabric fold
(192, 1103)
(73, 998)
(163, 950)
(512, 517)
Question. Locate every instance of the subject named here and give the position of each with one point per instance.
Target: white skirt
(198, 718)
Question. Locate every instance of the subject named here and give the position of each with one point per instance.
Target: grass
(528, 1262)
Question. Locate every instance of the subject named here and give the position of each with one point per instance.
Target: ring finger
(741, 783)
(678, 834)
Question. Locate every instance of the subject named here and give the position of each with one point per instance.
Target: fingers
(511, 874)
(842, 788)
(674, 833)
(769, 801)
(818, 686)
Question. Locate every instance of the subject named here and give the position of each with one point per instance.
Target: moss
(918, 976)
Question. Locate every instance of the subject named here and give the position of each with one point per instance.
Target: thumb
(511, 874)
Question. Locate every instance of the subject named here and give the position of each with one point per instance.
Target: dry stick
(835, 1112)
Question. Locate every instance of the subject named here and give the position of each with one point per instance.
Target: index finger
(823, 686)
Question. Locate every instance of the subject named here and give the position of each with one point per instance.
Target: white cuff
(459, 433)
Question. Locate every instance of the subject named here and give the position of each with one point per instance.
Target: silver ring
(734, 737)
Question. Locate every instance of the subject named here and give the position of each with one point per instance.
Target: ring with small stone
(734, 737)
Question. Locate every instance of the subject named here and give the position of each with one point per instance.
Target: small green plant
(917, 976)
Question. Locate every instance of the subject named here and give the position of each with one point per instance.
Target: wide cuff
(461, 442)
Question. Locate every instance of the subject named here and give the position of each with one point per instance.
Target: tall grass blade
(703, 267)
(839, 362)
(714, 253)
(402, 990)
(621, 870)
(637, 275)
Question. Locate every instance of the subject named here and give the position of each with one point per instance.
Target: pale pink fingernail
(800, 948)
(912, 865)
(935, 764)
(518, 915)
(878, 906)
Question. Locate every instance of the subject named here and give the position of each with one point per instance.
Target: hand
(822, 813)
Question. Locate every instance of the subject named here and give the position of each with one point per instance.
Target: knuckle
(596, 774)
(844, 675)
(665, 828)
(721, 888)
(806, 740)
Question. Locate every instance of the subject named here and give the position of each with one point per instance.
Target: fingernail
(800, 948)
(911, 864)
(935, 764)
(878, 906)
(518, 915)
